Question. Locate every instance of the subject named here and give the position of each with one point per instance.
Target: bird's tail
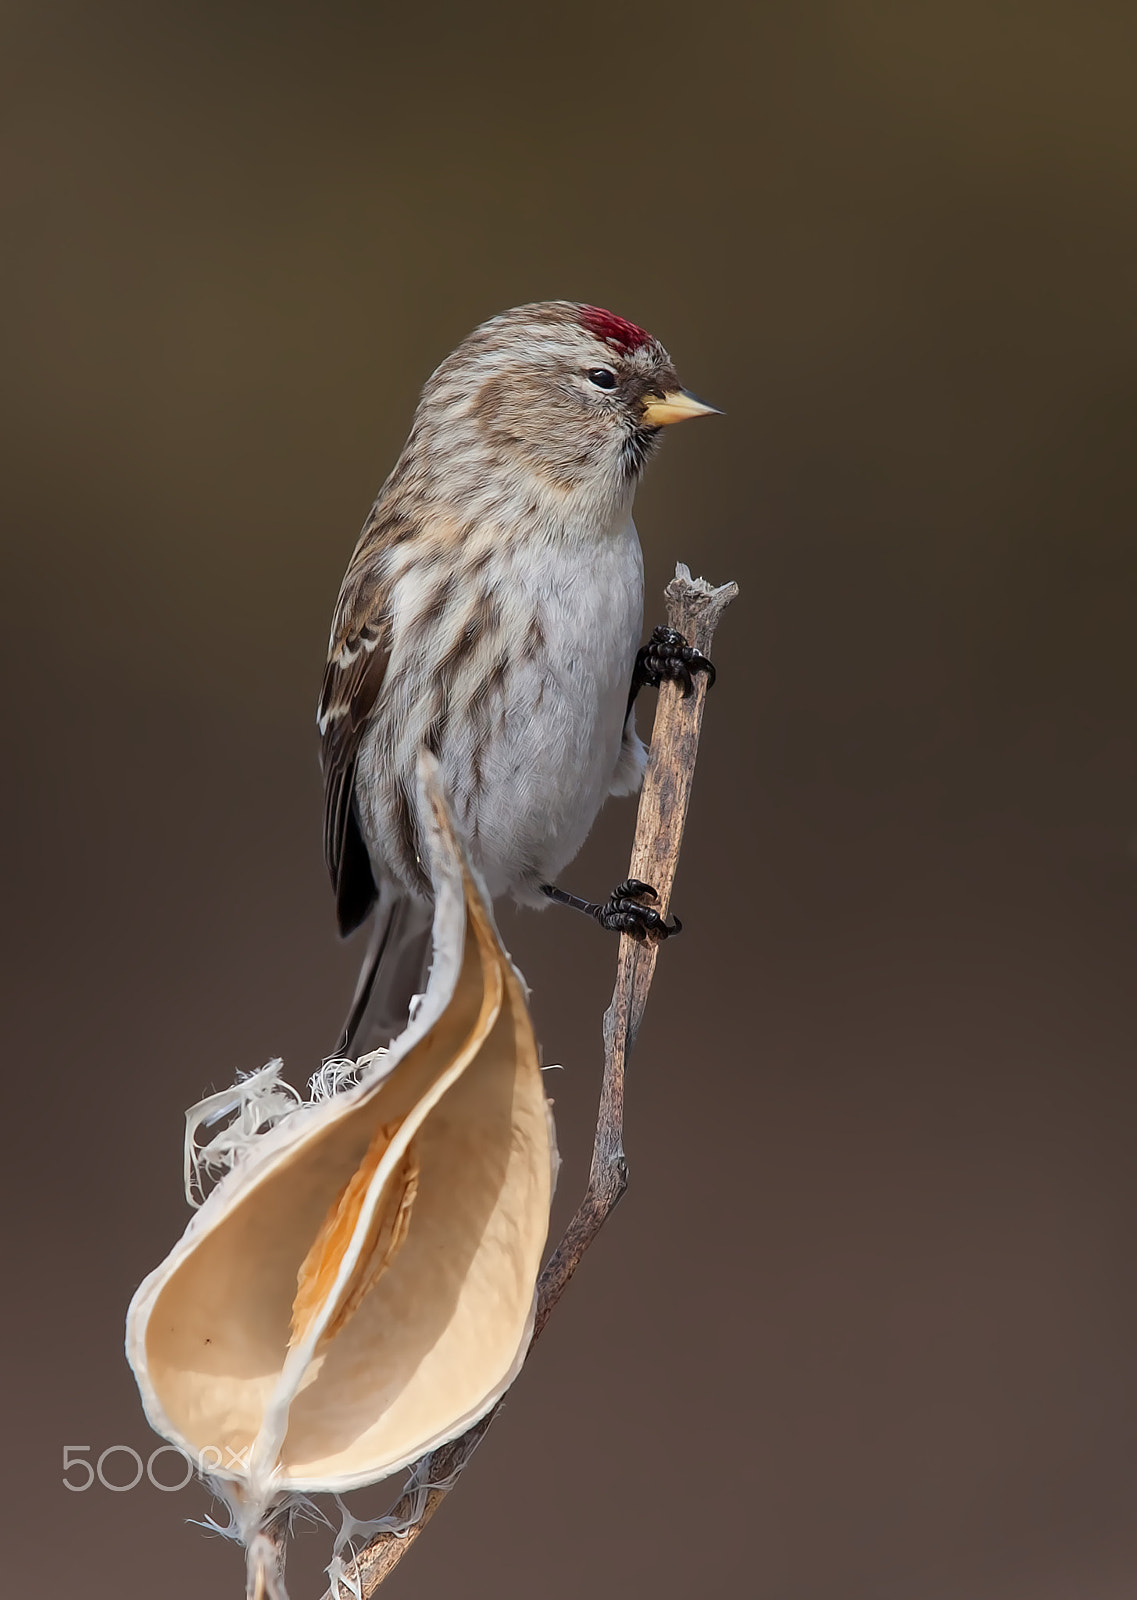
(394, 970)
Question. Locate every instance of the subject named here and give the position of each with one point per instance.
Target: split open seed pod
(361, 1286)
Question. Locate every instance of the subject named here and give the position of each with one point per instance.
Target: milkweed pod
(360, 1287)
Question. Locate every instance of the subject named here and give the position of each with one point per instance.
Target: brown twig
(694, 608)
(265, 1557)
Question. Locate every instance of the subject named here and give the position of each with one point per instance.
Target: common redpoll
(491, 611)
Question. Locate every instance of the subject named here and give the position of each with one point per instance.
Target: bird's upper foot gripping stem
(668, 655)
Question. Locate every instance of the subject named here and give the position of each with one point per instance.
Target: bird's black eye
(601, 377)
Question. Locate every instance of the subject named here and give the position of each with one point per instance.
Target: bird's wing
(358, 653)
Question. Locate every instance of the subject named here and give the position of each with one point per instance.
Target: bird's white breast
(564, 714)
(528, 718)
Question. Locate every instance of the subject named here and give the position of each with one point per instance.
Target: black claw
(622, 913)
(668, 655)
(632, 889)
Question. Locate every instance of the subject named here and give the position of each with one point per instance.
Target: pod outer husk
(413, 1209)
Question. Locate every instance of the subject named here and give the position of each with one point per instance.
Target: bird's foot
(668, 655)
(623, 911)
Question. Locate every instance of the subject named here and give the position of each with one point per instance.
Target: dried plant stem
(265, 1559)
(694, 608)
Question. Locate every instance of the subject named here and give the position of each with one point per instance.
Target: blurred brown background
(866, 1324)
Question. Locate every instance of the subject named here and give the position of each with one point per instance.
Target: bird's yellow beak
(675, 407)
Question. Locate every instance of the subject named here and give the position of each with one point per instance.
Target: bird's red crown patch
(624, 336)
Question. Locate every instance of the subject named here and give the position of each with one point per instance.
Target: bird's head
(568, 396)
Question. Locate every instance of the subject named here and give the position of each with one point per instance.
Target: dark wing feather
(357, 664)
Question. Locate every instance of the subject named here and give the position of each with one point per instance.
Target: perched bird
(492, 611)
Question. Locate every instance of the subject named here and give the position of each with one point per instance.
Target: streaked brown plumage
(491, 611)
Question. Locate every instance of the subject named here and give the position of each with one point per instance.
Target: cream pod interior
(361, 1286)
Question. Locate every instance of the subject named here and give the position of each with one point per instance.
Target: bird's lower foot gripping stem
(622, 912)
